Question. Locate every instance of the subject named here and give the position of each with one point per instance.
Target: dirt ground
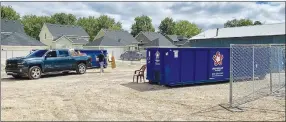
(113, 96)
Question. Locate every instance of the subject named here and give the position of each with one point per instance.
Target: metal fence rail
(255, 71)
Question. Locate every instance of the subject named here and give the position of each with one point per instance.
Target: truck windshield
(37, 53)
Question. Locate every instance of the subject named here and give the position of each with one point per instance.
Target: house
(9, 26)
(116, 42)
(63, 36)
(177, 40)
(256, 34)
(15, 42)
(152, 39)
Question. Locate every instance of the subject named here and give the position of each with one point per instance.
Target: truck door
(64, 60)
(50, 61)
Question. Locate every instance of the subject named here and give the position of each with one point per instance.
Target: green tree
(231, 23)
(185, 28)
(240, 22)
(89, 24)
(106, 22)
(7, 12)
(142, 23)
(33, 24)
(63, 19)
(245, 22)
(116, 26)
(93, 25)
(167, 26)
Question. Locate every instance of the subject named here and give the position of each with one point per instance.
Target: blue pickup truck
(42, 62)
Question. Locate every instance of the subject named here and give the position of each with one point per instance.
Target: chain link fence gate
(256, 71)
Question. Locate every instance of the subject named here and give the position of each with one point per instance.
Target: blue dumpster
(93, 54)
(181, 66)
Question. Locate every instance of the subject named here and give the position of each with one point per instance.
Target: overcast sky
(205, 14)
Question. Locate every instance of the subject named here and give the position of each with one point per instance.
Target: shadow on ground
(200, 84)
(11, 79)
(143, 87)
(97, 72)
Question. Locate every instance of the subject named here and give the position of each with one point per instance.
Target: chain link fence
(256, 71)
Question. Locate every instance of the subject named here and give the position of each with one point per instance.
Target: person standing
(101, 61)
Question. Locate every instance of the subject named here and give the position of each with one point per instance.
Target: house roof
(181, 42)
(177, 37)
(74, 39)
(60, 30)
(186, 44)
(105, 41)
(5, 35)
(245, 31)
(19, 39)
(159, 38)
(119, 35)
(173, 37)
(177, 40)
(79, 40)
(11, 26)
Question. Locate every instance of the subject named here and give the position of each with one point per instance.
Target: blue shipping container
(180, 66)
(93, 54)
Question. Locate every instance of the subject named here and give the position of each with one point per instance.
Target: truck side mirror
(46, 57)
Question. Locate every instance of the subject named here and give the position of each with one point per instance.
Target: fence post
(270, 69)
(253, 66)
(231, 78)
(112, 54)
(6, 54)
(278, 57)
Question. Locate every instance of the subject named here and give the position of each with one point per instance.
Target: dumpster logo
(217, 58)
(157, 57)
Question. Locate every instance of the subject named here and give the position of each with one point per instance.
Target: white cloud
(205, 14)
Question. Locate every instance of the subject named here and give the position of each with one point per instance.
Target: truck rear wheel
(81, 68)
(35, 72)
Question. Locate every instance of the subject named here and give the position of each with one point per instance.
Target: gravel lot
(113, 96)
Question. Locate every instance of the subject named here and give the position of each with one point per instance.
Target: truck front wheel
(81, 68)
(35, 72)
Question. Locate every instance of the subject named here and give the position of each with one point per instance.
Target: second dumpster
(93, 54)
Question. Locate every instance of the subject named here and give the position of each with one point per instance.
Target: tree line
(92, 25)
